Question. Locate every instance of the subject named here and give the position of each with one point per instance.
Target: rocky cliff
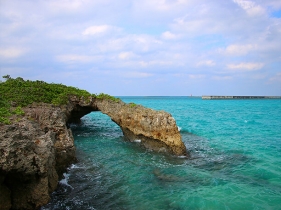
(36, 148)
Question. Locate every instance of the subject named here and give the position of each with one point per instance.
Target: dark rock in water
(36, 149)
(166, 177)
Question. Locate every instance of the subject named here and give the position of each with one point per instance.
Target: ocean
(235, 163)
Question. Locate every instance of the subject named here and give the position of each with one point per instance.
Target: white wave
(73, 166)
(137, 140)
(64, 181)
(179, 128)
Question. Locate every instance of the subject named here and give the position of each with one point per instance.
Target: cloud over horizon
(151, 47)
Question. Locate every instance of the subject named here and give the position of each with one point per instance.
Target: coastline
(39, 146)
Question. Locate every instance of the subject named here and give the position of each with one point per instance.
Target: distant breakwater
(238, 97)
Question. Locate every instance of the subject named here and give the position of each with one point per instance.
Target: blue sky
(148, 47)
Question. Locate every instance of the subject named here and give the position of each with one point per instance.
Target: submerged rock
(37, 148)
(167, 177)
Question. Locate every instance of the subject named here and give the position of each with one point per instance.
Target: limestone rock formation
(27, 165)
(155, 130)
(37, 148)
(54, 119)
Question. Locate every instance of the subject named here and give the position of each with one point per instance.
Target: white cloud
(250, 7)
(136, 43)
(127, 55)
(196, 76)
(12, 52)
(160, 63)
(163, 5)
(154, 63)
(77, 58)
(191, 26)
(100, 29)
(245, 66)
(69, 5)
(168, 35)
(206, 63)
(145, 64)
(239, 50)
(135, 74)
(245, 4)
(222, 77)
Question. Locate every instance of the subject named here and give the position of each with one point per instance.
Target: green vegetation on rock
(108, 97)
(132, 105)
(18, 111)
(4, 111)
(20, 93)
(23, 92)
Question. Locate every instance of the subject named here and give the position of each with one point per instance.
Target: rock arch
(38, 148)
(155, 130)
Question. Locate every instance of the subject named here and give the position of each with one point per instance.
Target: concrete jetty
(238, 97)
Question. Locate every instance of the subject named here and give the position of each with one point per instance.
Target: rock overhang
(157, 129)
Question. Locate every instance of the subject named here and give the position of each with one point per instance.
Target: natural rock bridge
(37, 149)
(157, 130)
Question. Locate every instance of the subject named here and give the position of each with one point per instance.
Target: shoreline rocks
(27, 165)
(37, 148)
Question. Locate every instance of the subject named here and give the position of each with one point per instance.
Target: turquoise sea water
(235, 163)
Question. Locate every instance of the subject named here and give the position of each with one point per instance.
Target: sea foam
(137, 140)
(64, 181)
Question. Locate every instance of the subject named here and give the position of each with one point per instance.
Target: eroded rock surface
(156, 130)
(37, 148)
(34, 151)
(27, 165)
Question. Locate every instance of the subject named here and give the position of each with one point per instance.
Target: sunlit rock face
(37, 148)
(155, 130)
